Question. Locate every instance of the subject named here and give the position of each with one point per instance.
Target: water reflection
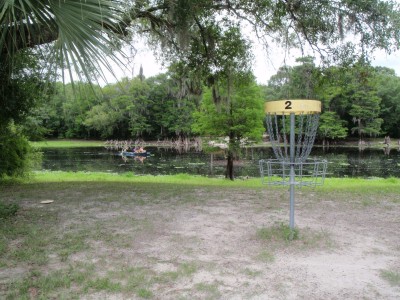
(342, 161)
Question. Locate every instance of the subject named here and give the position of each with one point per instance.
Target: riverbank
(65, 143)
(107, 236)
(367, 143)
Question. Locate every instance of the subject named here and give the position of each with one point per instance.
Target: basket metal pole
(292, 164)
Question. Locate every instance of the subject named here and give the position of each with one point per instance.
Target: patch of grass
(278, 232)
(177, 180)
(310, 239)
(252, 273)
(78, 280)
(266, 256)
(54, 285)
(66, 144)
(300, 239)
(27, 237)
(185, 269)
(144, 293)
(210, 289)
(392, 277)
(8, 210)
(70, 243)
(361, 185)
(103, 284)
(134, 280)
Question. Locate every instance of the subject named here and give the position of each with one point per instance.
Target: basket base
(310, 173)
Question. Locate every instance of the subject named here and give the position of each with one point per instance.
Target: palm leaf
(83, 32)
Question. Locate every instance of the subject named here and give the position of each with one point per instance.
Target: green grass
(67, 144)
(8, 210)
(266, 256)
(51, 285)
(211, 290)
(85, 280)
(278, 232)
(361, 185)
(392, 277)
(179, 179)
(352, 185)
(280, 235)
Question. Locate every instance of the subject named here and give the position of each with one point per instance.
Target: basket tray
(310, 172)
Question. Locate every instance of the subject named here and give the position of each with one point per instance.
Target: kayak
(131, 154)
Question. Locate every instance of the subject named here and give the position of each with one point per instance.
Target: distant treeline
(358, 101)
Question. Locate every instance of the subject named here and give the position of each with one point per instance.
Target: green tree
(173, 104)
(102, 120)
(279, 85)
(241, 116)
(388, 89)
(298, 82)
(331, 127)
(365, 103)
(139, 116)
(351, 92)
(79, 98)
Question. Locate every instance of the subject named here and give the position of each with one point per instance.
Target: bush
(17, 157)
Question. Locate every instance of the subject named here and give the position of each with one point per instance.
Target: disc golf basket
(292, 126)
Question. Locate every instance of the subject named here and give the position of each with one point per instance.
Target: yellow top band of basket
(297, 107)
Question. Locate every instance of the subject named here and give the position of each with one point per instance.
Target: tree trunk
(229, 166)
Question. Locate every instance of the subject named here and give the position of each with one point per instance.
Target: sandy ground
(343, 248)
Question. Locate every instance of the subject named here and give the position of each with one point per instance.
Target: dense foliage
(358, 100)
(15, 152)
(153, 108)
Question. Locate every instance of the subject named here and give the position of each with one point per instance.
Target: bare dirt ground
(206, 244)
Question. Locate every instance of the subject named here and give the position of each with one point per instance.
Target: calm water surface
(163, 161)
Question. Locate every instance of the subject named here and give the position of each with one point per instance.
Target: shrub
(17, 157)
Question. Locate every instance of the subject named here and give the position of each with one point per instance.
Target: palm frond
(83, 31)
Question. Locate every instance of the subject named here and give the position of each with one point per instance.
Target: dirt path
(341, 259)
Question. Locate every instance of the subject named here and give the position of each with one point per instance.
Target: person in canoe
(139, 150)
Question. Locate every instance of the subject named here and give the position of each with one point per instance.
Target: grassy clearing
(56, 243)
(66, 144)
(81, 243)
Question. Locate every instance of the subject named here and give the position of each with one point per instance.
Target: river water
(342, 162)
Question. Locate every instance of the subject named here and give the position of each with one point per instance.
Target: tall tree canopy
(84, 31)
